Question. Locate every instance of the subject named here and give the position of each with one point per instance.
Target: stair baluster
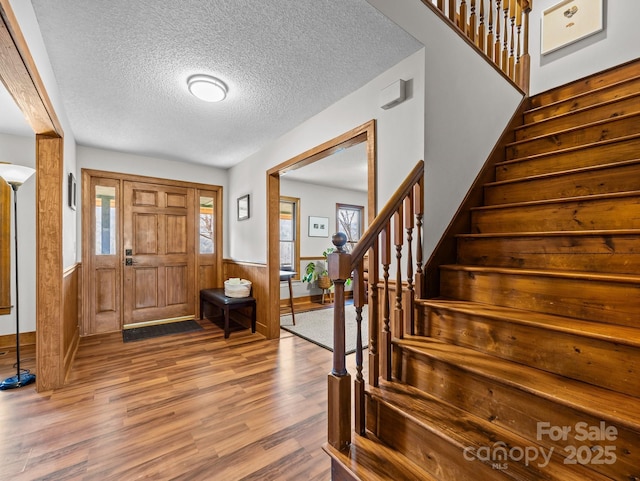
(409, 221)
(385, 258)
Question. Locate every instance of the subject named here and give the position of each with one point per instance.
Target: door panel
(159, 230)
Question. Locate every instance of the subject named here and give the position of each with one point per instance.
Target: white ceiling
(122, 65)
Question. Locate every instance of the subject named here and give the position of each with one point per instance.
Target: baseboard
(26, 339)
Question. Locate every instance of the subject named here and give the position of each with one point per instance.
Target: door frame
(87, 260)
(363, 133)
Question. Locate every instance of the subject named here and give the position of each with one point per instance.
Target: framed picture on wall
(243, 207)
(570, 21)
(318, 226)
(72, 191)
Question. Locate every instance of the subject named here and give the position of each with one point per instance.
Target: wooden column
(49, 287)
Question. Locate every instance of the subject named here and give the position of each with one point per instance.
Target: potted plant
(311, 274)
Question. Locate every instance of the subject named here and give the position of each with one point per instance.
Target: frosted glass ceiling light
(207, 88)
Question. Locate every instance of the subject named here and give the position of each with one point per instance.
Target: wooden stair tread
(606, 332)
(621, 278)
(578, 111)
(465, 430)
(371, 460)
(572, 129)
(560, 173)
(619, 409)
(581, 198)
(580, 95)
(568, 149)
(612, 232)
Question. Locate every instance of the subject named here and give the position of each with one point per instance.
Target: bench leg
(201, 308)
(226, 321)
(253, 318)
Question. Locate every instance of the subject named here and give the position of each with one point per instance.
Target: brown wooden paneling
(257, 274)
(26, 339)
(49, 282)
(71, 313)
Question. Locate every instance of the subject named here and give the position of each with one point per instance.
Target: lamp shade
(15, 174)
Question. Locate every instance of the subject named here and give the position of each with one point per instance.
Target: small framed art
(318, 226)
(243, 207)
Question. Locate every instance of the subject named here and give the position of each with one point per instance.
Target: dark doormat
(147, 332)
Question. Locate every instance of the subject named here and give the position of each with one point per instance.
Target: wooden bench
(216, 297)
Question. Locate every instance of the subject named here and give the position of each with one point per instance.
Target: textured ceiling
(122, 66)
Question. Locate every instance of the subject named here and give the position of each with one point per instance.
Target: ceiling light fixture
(207, 88)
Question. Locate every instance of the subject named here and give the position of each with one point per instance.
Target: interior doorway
(364, 134)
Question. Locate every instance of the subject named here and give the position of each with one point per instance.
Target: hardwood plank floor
(189, 406)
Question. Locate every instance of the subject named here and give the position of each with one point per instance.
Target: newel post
(339, 380)
(339, 413)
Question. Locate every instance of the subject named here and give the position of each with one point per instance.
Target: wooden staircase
(527, 365)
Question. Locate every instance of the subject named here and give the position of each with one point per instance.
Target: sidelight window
(105, 202)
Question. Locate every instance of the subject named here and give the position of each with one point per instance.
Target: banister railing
(395, 223)
(499, 29)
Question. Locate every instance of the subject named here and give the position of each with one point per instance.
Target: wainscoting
(71, 309)
(257, 274)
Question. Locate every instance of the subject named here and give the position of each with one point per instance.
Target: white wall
(31, 31)
(618, 43)
(467, 106)
(21, 151)
(318, 201)
(400, 134)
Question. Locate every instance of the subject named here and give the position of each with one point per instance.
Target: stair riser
(612, 129)
(619, 254)
(589, 214)
(595, 361)
(614, 92)
(418, 444)
(628, 105)
(597, 81)
(623, 178)
(517, 410)
(589, 156)
(588, 299)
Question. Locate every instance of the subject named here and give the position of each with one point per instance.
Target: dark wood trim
(363, 133)
(150, 180)
(445, 251)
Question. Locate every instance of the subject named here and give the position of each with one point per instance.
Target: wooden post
(359, 391)
(385, 348)
(339, 413)
(398, 240)
(374, 325)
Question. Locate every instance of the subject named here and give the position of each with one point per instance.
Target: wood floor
(189, 406)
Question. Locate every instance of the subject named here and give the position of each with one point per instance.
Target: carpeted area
(148, 332)
(317, 327)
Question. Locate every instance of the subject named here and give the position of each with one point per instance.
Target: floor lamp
(15, 176)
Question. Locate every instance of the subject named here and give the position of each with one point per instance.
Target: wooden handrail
(404, 210)
(371, 234)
